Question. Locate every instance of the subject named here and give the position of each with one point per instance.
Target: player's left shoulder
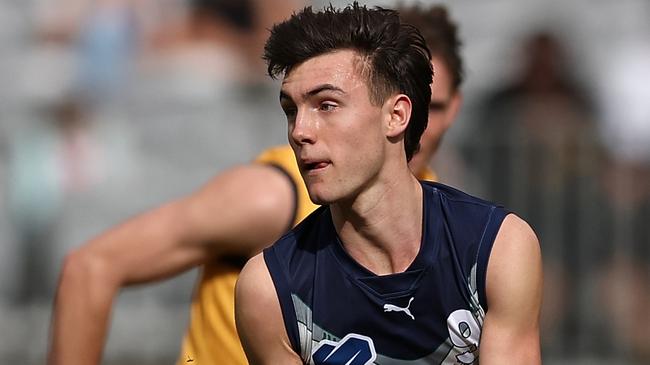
(515, 264)
(516, 236)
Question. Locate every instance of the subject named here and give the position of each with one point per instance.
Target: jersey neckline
(422, 260)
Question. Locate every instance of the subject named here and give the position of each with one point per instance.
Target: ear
(398, 114)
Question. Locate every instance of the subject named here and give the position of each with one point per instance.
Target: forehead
(441, 86)
(341, 68)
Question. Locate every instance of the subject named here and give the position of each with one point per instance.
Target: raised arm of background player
(237, 213)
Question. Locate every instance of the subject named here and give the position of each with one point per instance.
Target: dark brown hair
(396, 54)
(441, 35)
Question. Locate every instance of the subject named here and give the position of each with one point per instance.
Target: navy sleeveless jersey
(337, 312)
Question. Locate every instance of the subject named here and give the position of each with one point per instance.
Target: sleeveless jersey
(337, 312)
(211, 337)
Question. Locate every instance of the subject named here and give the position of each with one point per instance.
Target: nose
(303, 129)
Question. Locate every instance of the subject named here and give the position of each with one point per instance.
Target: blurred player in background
(218, 227)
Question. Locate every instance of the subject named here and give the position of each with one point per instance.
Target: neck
(382, 227)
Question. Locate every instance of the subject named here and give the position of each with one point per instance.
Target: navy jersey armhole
(284, 296)
(497, 215)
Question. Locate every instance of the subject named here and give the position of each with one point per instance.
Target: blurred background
(111, 107)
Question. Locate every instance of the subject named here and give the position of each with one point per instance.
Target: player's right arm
(237, 213)
(259, 317)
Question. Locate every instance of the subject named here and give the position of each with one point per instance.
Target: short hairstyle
(441, 35)
(395, 55)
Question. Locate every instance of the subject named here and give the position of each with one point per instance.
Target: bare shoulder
(516, 232)
(254, 290)
(254, 279)
(515, 258)
(259, 318)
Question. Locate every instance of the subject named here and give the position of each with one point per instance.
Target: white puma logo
(394, 308)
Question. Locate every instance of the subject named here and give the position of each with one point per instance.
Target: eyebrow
(315, 91)
(325, 87)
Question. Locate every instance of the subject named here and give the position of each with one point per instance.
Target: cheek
(356, 135)
(359, 149)
(434, 128)
(362, 130)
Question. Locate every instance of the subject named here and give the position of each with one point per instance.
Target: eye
(327, 106)
(437, 106)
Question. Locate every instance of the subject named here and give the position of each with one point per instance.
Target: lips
(309, 165)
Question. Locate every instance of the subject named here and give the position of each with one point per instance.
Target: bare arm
(514, 294)
(259, 317)
(215, 220)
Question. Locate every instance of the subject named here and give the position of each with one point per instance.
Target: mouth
(314, 166)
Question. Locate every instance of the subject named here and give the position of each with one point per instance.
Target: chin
(319, 199)
(320, 196)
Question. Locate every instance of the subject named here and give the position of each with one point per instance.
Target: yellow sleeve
(283, 157)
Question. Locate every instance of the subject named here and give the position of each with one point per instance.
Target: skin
(510, 332)
(364, 174)
(161, 243)
(322, 110)
(185, 233)
(444, 106)
(372, 186)
(328, 132)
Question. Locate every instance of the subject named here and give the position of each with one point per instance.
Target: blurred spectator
(56, 153)
(62, 140)
(35, 190)
(104, 34)
(200, 100)
(221, 39)
(624, 286)
(543, 108)
(534, 150)
(207, 41)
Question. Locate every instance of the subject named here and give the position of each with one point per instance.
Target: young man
(389, 269)
(185, 233)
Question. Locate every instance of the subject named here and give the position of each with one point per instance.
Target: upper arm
(238, 212)
(241, 211)
(514, 291)
(259, 317)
